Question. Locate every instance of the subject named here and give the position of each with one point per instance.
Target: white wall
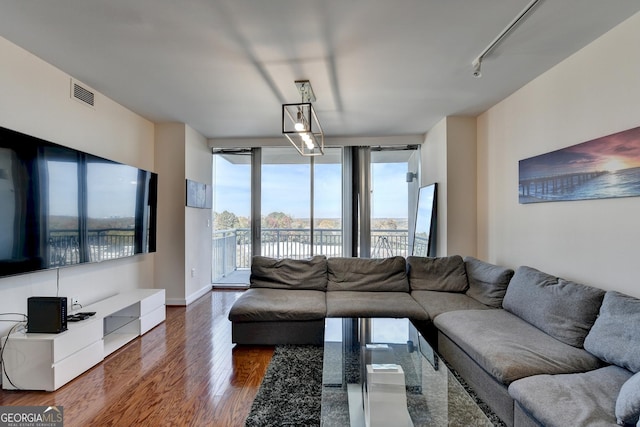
(184, 233)
(434, 169)
(35, 99)
(199, 163)
(594, 93)
(449, 158)
(170, 162)
(462, 186)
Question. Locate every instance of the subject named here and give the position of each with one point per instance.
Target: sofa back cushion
(363, 274)
(446, 274)
(487, 282)
(563, 309)
(308, 274)
(615, 335)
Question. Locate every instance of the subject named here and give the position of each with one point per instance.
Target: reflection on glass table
(377, 371)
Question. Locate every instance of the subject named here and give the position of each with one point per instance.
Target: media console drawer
(150, 320)
(77, 337)
(76, 364)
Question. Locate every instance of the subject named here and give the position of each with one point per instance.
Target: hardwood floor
(183, 372)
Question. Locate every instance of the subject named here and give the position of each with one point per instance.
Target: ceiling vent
(81, 94)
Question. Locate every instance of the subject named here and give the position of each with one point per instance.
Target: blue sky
(285, 189)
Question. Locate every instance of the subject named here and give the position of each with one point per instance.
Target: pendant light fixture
(300, 123)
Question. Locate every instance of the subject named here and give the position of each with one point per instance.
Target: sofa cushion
(508, 348)
(263, 304)
(374, 304)
(581, 399)
(309, 274)
(363, 274)
(563, 309)
(435, 303)
(445, 274)
(628, 402)
(615, 335)
(487, 282)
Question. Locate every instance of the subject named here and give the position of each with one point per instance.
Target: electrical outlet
(75, 303)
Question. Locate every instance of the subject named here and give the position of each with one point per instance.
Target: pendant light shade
(301, 127)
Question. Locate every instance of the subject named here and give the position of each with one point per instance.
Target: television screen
(60, 206)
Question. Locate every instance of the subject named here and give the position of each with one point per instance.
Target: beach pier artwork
(606, 167)
(557, 184)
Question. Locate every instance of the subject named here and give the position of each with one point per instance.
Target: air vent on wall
(82, 94)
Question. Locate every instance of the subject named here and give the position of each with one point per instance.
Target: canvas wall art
(602, 168)
(199, 195)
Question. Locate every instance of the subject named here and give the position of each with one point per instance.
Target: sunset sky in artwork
(609, 153)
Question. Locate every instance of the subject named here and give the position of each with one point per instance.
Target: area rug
(291, 391)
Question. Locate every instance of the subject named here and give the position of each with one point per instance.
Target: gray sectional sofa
(538, 349)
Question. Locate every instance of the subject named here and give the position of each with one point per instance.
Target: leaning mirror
(424, 239)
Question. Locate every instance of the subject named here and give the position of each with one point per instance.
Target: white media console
(49, 361)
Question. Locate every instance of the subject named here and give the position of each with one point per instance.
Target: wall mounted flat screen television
(61, 207)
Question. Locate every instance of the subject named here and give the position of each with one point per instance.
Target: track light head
(477, 64)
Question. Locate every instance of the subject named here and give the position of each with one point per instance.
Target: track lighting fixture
(477, 63)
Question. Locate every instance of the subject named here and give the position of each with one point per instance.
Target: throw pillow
(615, 335)
(487, 282)
(365, 274)
(628, 402)
(308, 274)
(445, 274)
(563, 309)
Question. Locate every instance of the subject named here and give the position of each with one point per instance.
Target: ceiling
(378, 67)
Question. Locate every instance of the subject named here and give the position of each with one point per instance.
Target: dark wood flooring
(184, 372)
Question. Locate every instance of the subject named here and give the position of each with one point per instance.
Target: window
(273, 202)
(299, 201)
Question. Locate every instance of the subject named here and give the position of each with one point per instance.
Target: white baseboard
(191, 298)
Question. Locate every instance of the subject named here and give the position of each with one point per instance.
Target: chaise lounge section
(285, 304)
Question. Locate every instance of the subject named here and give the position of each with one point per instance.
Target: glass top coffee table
(382, 372)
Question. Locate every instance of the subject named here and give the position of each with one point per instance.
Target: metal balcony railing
(232, 248)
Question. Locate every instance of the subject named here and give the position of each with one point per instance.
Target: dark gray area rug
(291, 391)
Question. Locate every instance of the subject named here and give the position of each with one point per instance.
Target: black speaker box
(47, 315)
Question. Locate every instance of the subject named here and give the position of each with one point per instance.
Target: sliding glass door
(391, 204)
(384, 184)
(231, 211)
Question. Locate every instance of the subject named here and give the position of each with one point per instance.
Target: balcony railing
(232, 248)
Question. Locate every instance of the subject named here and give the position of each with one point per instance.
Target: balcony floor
(237, 278)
